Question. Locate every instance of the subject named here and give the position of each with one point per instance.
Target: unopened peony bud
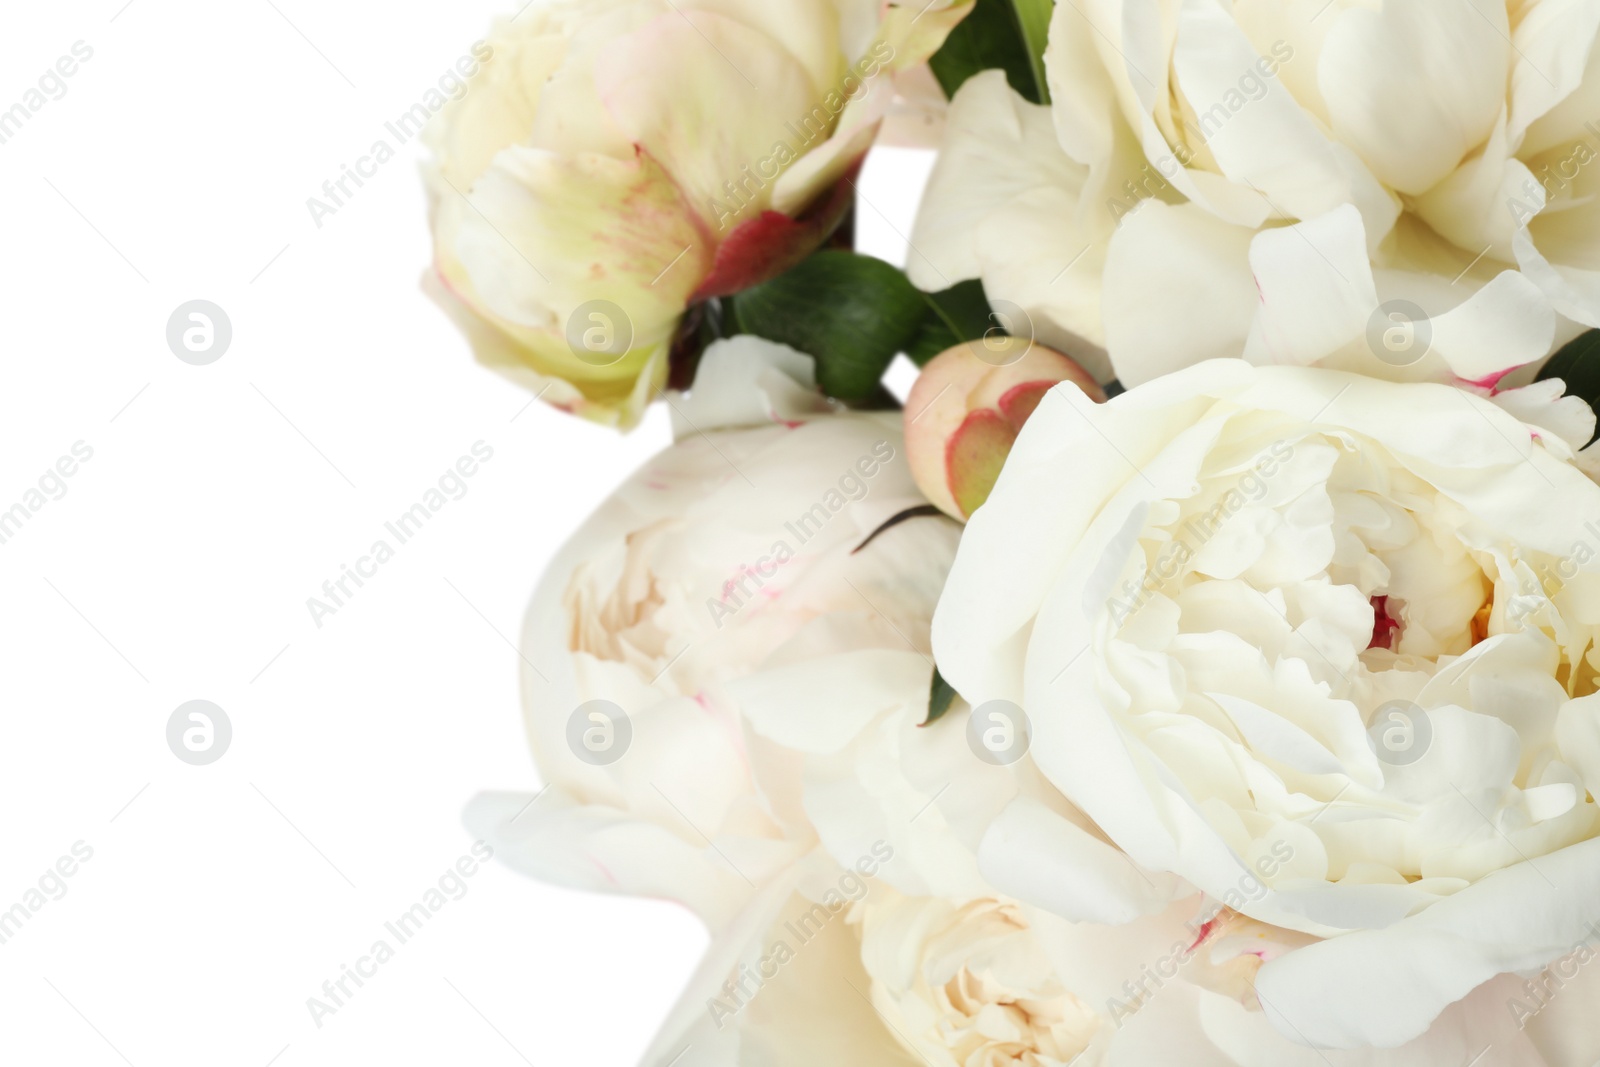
(966, 409)
(612, 166)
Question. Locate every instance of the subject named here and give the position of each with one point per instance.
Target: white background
(219, 498)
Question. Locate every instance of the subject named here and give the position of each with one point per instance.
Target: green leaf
(1578, 365)
(1033, 19)
(940, 697)
(852, 313)
(1004, 34)
(960, 313)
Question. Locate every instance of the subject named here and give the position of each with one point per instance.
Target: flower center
(1385, 628)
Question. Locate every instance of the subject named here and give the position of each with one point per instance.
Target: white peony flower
(1407, 189)
(1319, 632)
(617, 162)
(833, 966)
(732, 565)
(966, 982)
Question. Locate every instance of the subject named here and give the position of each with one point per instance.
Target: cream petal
(819, 706)
(997, 147)
(1415, 86)
(1266, 142)
(1557, 254)
(1475, 207)
(1385, 987)
(915, 31)
(825, 980)
(690, 1036)
(1554, 74)
(1503, 325)
(557, 839)
(1316, 288)
(829, 162)
(749, 381)
(1201, 265)
(1083, 106)
(1565, 1028)
(1034, 257)
(809, 32)
(535, 260)
(1479, 1026)
(734, 90)
(543, 364)
(1043, 858)
(1567, 418)
(571, 117)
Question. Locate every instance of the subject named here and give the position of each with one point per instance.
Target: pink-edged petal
(711, 99)
(1504, 325)
(763, 247)
(827, 162)
(1568, 419)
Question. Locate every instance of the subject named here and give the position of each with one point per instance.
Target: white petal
(819, 706)
(749, 381)
(1316, 288)
(1042, 858)
(1201, 266)
(1384, 987)
(1415, 86)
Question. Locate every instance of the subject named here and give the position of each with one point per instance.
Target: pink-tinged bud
(966, 409)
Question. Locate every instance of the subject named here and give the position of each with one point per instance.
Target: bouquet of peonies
(1199, 666)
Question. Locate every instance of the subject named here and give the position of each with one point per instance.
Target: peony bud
(966, 409)
(612, 166)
